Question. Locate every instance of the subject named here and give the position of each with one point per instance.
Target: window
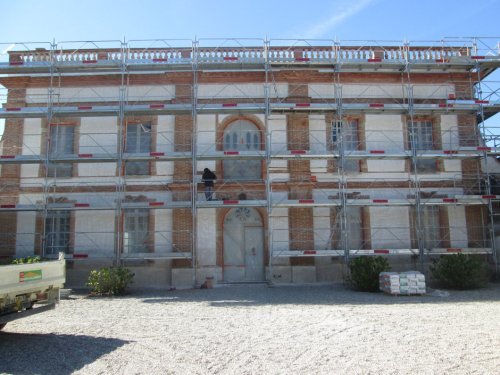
(430, 226)
(136, 232)
(57, 229)
(242, 135)
(420, 138)
(354, 228)
(345, 139)
(138, 141)
(61, 144)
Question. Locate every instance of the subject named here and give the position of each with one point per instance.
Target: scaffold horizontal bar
(80, 255)
(156, 204)
(81, 205)
(306, 201)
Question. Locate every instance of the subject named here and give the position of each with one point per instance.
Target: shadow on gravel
(252, 295)
(51, 353)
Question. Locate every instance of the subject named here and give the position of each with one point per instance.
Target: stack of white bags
(407, 283)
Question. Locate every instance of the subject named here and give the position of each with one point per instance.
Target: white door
(243, 246)
(254, 257)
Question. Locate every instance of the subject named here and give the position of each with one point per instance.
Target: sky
(46, 20)
(114, 21)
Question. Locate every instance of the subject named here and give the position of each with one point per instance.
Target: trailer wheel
(2, 325)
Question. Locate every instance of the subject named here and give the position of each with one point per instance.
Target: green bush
(27, 260)
(365, 272)
(459, 271)
(110, 280)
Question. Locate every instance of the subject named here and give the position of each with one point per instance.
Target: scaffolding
(342, 187)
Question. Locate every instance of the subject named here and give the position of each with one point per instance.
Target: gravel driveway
(259, 330)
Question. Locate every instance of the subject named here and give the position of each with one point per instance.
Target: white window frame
(62, 143)
(138, 141)
(136, 230)
(57, 232)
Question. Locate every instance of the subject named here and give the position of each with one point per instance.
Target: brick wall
(183, 170)
(8, 223)
(300, 222)
(182, 226)
(467, 130)
(476, 218)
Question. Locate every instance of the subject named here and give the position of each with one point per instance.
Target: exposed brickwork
(182, 227)
(476, 218)
(300, 222)
(463, 90)
(183, 170)
(13, 134)
(298, 139)
(335, 225)
(444, 227)
(183, 93)
(467, 130)
(8, 225)
(471, 172)
(298, 77)
(366, 227)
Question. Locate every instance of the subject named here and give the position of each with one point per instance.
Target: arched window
(242, 135)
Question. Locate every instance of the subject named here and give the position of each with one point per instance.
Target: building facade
(321, 152)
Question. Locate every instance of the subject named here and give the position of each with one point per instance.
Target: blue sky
(31, 20)
(398, 20)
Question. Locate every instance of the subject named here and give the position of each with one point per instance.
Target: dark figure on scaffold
(208, 178)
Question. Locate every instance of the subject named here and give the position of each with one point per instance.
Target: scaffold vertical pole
(487, 178)
(268, 159)
(50, 109)
(194, 151)
(419, 230)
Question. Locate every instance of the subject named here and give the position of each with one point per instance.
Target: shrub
(27, 260)
(459, 271)
(110, 280)
(365, 272)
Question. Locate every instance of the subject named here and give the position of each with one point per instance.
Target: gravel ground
(260, 330)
